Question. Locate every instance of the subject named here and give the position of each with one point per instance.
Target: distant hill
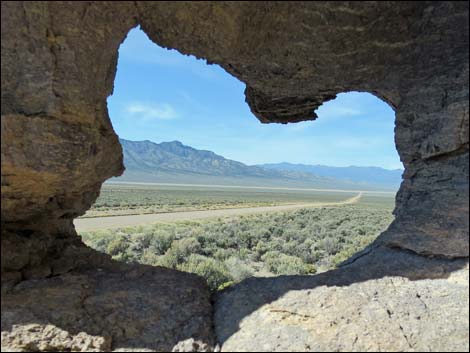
(174, 162)
(363, 175)
(174, 157)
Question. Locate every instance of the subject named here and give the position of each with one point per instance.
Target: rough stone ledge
(386, 300)
(115, 307)
(383, 299)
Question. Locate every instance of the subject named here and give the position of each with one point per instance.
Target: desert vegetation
(128, 199)
(227, 250)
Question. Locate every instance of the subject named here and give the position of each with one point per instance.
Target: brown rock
(119, 307)
(59, 62)
(58, 146)
(388, 300)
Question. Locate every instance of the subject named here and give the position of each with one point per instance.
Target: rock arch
(58, 66)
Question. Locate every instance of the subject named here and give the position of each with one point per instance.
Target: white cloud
(150, 112)
(332, 111)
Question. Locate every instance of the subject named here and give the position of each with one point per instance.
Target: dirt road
(89, 224)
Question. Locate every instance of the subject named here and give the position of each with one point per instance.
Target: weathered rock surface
(58, 146)
(59, 62)
(388, 300)
(118, 307)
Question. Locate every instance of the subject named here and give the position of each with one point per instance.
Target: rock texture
(118, 307)
(388, 300)
(58, 146)
(59, 62)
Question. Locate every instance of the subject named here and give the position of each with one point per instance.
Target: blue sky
(162, 95)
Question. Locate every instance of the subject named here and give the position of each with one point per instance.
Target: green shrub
(223, 254)
(229, 250)
(169, 260)
(238, 269)
(215, 272)
(149, 257)
(330, 245)
(161, 241)
(179, 252)
(117, 245)
(139, 242)
(282, 264)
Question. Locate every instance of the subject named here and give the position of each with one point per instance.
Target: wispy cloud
(194, 105)
(151, 112)
(333, 111)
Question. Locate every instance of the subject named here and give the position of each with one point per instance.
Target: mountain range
(368, 175)
(174, 162)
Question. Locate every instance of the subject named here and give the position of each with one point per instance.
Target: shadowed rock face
(385, 301)
(128, 307)
(59, 62)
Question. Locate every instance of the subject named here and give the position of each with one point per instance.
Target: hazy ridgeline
(228, 250)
